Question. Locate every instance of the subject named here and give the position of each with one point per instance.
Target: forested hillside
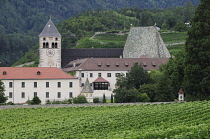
(25, 19)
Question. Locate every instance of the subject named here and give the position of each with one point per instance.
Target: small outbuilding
(181, 95)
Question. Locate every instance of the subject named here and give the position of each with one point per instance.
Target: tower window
(44, 45)
(47, 45)
(53, 45)
(56, 39)
(56, 45)
(44, 39)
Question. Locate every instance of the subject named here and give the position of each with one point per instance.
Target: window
(44, 39)
(109, 75)
(56, 45)
(38, 73)
(126, 74)
(59, 84)
(70, 84)
(56, 39)
(35, 94)
(99, 74)
(4, 73)
(82, 74)
(10, 84)
(101, 86)
(23, 84)
(47, 84)
(47, 94)
(53, 45)
(70, 94)
(59, 94)
(117, 74)
(91, 74)
(47, 45)
(10, 94)
(44, 45)
(23, 95)
(35, 84)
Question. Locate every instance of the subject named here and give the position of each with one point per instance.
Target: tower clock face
(50, 52)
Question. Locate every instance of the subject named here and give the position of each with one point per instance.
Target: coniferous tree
(197, 62)
(104, 98)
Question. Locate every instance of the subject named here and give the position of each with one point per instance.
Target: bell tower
(50, 46)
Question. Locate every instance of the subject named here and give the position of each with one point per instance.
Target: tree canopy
(197, 63)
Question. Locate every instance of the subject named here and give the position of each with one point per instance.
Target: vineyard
(189, 120)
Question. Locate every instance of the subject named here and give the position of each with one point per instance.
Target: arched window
(47, 45)
(56, 45)
(44, 39)
(44, 45)
(53, 45)
(56, 39)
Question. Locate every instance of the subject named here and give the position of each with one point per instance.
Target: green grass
(178, 120)
(174, 37)
(175, 48)
(110, 38)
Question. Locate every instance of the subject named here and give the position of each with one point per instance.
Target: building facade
(23, 83)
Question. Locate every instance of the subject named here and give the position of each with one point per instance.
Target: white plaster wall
(112, 80)
(41, 89)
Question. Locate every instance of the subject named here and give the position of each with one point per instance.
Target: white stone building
(23, 83)
(102, 72)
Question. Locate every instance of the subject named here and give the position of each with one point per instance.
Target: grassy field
(189, 120)
(173, 37)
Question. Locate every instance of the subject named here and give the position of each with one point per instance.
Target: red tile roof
(32, 73)
(101, 80)
(115, 64)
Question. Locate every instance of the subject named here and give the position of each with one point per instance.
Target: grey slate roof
(145, 42)
(50, 30)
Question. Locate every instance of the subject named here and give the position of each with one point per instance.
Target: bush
(96, 100)
(80, 99)
(35, 101)
(143, 97)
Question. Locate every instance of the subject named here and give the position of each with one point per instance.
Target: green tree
(137, 76)
(112, 98)
(180, 26)
(3, 98)
(143, 97)
(197, 63)
(122, 95)
(80, 99)
(35, 100)
(148, 89)
(104, 98)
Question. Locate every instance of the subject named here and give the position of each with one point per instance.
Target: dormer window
(126, 64)
(144, 64)
(99, 64)
(117, 64)
(4, 73)
(153, 64)
(107, 64)
(38, 73)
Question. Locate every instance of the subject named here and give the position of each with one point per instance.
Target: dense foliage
(177, 120)
(197, 63)
(80, 99)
